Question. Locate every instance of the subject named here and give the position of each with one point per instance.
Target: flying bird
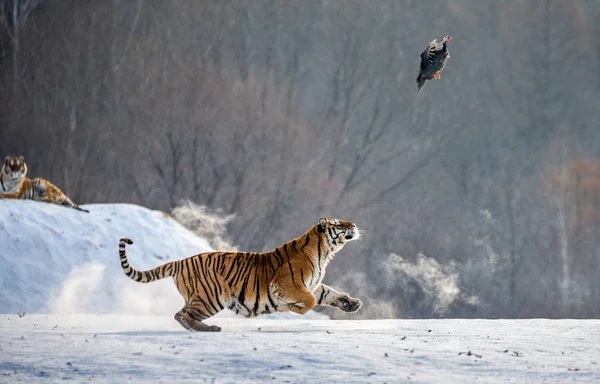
(433, 59)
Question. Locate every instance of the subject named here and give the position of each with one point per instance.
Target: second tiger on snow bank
(289, 278)
(14, 184)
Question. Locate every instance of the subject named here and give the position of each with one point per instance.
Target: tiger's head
(14, 167)
(338, 232)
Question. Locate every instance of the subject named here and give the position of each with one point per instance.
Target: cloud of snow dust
(419, 287)
(358, 285)
(439, 283)
(81, 290)
(88, 289)
(211, 226)
(407, 288)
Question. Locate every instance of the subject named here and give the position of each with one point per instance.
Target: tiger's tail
(66, 202)
(149, 276)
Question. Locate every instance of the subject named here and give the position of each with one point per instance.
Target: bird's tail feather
(420, 82)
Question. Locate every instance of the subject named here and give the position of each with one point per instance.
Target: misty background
(479, 196)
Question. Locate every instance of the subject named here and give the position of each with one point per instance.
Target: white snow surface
(155, 349)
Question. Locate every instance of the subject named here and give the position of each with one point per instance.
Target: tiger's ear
(22, 159)
(322, 223)
(6, 159)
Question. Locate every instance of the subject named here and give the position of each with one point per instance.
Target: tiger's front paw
(348, 304)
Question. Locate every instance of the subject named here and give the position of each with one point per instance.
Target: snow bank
(54, 259)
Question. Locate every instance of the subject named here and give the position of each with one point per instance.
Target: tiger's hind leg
(203, 300)
(191, 324)
(179, 318)
(201, 308)
(191, 316)
(49, 193)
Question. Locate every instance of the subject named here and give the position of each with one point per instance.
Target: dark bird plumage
(433, 60)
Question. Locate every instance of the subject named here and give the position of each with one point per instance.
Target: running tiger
(14, 185)
(251, 284)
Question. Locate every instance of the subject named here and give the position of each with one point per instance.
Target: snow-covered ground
(155, 349)
(85, 321)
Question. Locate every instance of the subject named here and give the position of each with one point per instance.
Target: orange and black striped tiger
(14, 185)
(287, 278)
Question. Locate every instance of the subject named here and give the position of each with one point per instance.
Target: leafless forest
(479, 196)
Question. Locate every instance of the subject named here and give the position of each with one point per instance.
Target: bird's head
(447, 39)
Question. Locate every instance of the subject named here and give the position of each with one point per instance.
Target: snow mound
(55, 259)
(59, 260)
